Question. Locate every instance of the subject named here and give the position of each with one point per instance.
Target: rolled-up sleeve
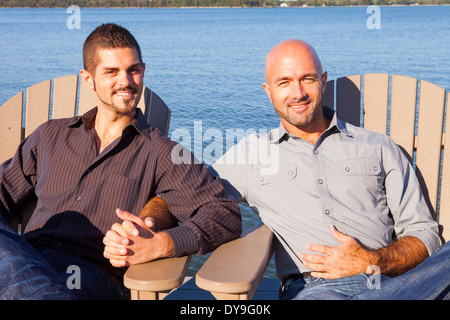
(406, 201)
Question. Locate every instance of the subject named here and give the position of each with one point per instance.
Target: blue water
(208, 64)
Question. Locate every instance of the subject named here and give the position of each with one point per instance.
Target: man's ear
(267, 89)
(324, 81)
(88, 79)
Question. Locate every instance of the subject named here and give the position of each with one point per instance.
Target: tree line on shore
(207, 3)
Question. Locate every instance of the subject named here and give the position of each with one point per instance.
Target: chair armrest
(234, 270)
(154, 280)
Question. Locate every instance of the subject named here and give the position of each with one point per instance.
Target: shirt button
(327, 211)
(290, 172)
(261, 179)
(78, 198)
(320, 181)
(347, 169)
(59, 244)
(316, 151)
(375, 168)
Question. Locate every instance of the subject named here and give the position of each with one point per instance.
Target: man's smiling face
(295, 85)
(118, 79)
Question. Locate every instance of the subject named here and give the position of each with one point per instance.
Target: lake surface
(208, 64)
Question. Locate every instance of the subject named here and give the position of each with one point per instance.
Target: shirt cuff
(431, 240)
(184, 241)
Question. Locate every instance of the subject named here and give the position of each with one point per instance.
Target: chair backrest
(413, 119)
(60, 98)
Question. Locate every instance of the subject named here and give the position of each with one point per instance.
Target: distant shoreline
(238, 7)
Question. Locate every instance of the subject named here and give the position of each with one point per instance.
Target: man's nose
(298, 91)
(124, 79)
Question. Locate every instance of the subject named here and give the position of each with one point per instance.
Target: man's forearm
(401, 256)
(157, 209)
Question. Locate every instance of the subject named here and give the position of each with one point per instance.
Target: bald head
(295, 85)
(287, 50)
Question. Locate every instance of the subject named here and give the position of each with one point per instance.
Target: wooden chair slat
(403, 112)
(144, 100)
(86, 100)
(376, 93)
(348, 99)
(444, 208)
(10, 126)
(328, 96)
(158, 114)
(64, 97)
(38, 105)
(429, 136)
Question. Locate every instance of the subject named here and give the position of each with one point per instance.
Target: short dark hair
(107, 36)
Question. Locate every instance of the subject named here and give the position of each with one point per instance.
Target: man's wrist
(376, 258)
(166, 246)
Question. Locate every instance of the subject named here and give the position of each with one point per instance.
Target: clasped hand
(130, 242)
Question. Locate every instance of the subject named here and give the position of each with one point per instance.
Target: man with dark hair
(85, 169)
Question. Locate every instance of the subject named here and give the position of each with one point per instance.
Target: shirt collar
(335, 123)
(276, 135)
(139, 123)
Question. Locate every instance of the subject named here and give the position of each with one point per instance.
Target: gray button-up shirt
(357, 180)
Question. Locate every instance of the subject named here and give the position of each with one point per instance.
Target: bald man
(295, 84)
(333, 194)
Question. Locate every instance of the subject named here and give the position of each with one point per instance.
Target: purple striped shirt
(78, 190)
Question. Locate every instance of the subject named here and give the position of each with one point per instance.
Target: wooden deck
(267, 290)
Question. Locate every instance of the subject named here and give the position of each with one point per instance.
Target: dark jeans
(428, 281)
(27, 274)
